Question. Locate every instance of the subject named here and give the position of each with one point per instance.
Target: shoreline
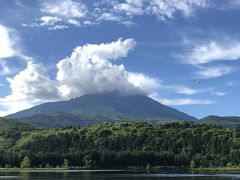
(166, 169)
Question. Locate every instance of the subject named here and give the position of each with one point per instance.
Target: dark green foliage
(11, 131)
(92, 109)
(126, 144)
(230, 121)
(6, 124)
(57, 120)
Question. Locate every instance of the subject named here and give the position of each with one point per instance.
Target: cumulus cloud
(89, 70)
(78, 13)
(29, 87)
(148, 85)
(32, 83)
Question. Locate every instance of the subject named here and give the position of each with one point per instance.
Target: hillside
(124, 144)
(229, 121)
(57, 120)
(9, 124)
(91, 109)
(11, 131)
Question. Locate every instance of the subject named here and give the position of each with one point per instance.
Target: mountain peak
(108, 107)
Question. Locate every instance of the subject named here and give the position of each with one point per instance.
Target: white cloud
(213, 51)
(109, 17)
(130, 7)
(74, 22)
(9, 107)
(205, 57)
(167, 9)
(5, 70)
(57, 27)
(60, 14)
(32, 83)
(9, 47)
(162, 9)
(185, 90)
(214, 71)
(78, 14)
(147, 84)
(184, 101)
(180, 89)
(218, 93)
(7, 43)
(65, 8)
(89, 70)
(29, 87)
(49, 20)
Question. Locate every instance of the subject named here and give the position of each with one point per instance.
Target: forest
(121, 145)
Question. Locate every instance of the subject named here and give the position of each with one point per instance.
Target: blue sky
(61, 49)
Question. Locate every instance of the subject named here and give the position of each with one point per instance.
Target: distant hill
(9, 124)
(11, 131)
(229, 121)
(57, 120)
(91, 109)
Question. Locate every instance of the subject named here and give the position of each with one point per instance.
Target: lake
(110, 175)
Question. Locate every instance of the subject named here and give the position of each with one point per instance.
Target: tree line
(125, 144)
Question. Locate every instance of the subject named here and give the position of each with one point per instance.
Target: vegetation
(123, 144)
(26, 163)
(11, 131)
(230, 121)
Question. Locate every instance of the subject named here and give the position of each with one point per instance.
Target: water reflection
(110, 175)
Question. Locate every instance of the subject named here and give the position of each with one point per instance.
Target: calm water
(112, 175)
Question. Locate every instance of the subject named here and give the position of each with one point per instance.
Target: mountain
(229, 121)
(90, 109)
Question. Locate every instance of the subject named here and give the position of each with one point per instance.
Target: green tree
(87, 161)
(192, 164)
(26, 163)
(66, 163)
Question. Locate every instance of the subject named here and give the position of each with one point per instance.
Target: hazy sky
(61, 49)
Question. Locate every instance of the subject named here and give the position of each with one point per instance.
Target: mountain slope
(11, 131)
(229, 121)
(9, 124)
(105, 107)
(57, 120)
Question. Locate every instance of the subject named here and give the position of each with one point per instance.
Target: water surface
(110, 175)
